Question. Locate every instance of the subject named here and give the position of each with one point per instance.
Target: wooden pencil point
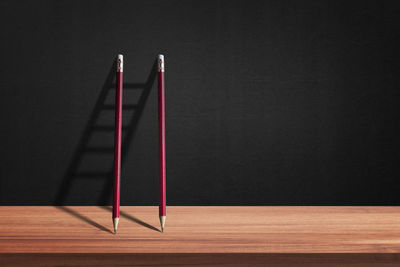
(162, 221)
(115, 224)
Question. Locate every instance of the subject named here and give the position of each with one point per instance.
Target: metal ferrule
(161, 64)
(120, 63)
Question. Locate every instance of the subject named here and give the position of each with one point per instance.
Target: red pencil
(161, 122)
(117, 144)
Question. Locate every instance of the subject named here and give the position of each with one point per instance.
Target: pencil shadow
(84, 218)
(133, 219)
(80, 170)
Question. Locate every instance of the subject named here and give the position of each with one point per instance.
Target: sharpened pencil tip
(162, 222)
(115, 223)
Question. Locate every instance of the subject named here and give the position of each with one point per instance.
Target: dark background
(268, 102)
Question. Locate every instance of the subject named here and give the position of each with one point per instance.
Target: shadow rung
(100, 149)
(130, 86)
(126, 106)
(107, 128)
(91, 175)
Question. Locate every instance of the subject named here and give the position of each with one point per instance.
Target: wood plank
(201, 259)
(195, 230)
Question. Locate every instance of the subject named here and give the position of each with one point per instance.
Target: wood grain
(201, 230)
(201, 259)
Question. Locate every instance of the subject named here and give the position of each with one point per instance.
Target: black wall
(268, 102)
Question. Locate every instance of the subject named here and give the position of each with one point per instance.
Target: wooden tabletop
(83, 229)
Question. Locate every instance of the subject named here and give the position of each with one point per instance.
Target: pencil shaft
(117, 139)
(161, 121)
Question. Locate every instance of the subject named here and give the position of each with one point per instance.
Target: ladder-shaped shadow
(76, 172)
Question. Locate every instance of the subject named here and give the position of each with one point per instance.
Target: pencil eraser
(161, 64)
(120, 63)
